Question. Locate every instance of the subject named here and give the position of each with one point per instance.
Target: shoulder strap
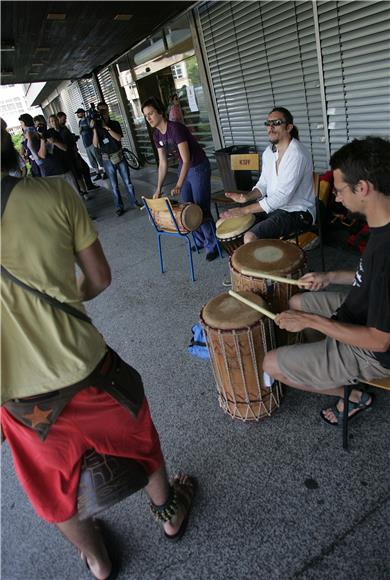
(7, 184)
(46, 298)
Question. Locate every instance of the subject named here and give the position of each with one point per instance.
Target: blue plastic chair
(164, 204)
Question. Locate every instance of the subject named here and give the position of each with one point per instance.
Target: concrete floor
(277, 499)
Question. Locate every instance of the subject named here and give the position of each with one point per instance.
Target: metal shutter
(72, 100)
(355, 45)
(260, 55)
(111, 98)
(89, 92)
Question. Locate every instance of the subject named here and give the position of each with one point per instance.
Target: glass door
(189, 89)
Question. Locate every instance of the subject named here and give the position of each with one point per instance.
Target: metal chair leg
(347, 390)
(216, 241)
(190, 259)
(160, 253)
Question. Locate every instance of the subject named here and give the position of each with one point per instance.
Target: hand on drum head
(232, 213)
(315, 281)
(237, 197)
(292, 320)
(157, 194)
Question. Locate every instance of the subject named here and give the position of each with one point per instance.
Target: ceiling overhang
(55, 41)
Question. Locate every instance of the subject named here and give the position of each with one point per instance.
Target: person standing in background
(79, 166)
(175, 112)
(31, 143)
(94, 155)
(107, 135)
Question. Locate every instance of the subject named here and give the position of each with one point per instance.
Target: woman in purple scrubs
(193, 183)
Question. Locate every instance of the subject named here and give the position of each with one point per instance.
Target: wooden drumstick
(253, 305)
(257, 274)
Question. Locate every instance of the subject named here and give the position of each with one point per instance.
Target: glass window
(177, 71)
(148, 49)
(193, 103)
(178, 35)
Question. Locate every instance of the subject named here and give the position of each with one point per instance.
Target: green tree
(192, 71)
(17, 141)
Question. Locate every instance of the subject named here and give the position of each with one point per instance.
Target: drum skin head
(226, 313)
(273, 256)
(230, 227)
(192, 216)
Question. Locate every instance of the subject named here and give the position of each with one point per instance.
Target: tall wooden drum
(238, 338)
(272, 257)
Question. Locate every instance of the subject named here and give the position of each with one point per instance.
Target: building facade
(231, 62)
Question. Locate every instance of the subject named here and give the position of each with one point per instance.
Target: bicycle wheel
(132, 159)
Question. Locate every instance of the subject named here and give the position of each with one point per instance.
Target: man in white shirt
(284, 199)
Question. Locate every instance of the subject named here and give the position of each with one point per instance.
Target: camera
(92, 113)
(93, 116)
(42, 130)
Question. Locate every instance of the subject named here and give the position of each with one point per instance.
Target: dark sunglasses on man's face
(275, 123)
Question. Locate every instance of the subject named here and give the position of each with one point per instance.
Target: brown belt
(111, 375)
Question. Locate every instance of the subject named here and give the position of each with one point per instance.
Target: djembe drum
(231, 231)
(271, 257)
(188, 217)
(238, 338)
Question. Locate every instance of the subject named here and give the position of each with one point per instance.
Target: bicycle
(131, 159)
(135, 162)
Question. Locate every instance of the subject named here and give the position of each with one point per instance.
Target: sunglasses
(275, 123)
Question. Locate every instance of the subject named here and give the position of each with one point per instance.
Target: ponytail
(294, 133)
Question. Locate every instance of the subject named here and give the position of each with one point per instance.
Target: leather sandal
(365, 403)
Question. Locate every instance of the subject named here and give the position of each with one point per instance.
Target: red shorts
(49, 470)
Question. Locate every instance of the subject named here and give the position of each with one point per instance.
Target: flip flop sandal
(114, 557)
(190, 489)
(358, 407)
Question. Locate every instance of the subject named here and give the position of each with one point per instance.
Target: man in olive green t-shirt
(46, 231)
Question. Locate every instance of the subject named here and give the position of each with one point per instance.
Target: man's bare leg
(158, 492)
(271, 367)
(88, 540)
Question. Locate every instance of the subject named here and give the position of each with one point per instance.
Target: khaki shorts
(327, 363)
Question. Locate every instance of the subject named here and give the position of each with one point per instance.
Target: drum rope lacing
(232, 406)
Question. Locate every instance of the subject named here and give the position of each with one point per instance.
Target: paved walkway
(278, 499)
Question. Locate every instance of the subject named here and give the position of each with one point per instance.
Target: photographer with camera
(94, 155)
(52, 154)
(107, 135)
(92, 113)
(40, 125)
